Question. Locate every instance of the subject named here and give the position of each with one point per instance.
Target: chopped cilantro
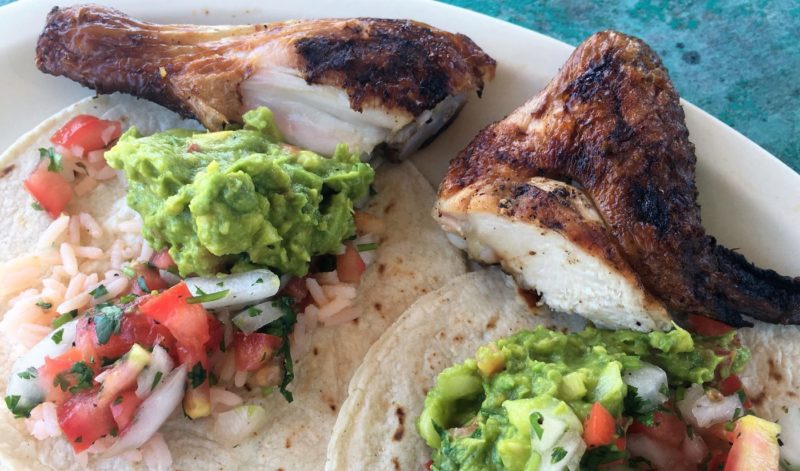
(128, 271)
(253, 312)
(44, 305)
(367, 247)
(156, 380)
(12, 401)
(83, 377)
(64, 318)
(558, 455)
(197, 376)
(595, 457)
(99, 292)
(635, 406)
(208, 297)
(127, 298)
(79, 439)
(107, 323)
(57, 336)
(55, 158)
(30, 373)
(536, 422)
(118, 400)
(37, 206)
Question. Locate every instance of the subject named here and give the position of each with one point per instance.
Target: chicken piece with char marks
(632, 249)
(380, 86)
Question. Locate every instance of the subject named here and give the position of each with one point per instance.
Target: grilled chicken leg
(390, 84)
(609, 124)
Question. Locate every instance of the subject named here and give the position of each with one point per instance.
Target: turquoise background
(737, 59)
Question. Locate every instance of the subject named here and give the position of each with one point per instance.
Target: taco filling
(543, 399)
(243, 238)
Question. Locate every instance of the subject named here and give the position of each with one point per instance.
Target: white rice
(43, 422)
(30, 334)
(91, 225)
(74, 231)
(332, 308)
(146, 253)
(68, 259)
(316, 292)
(223, 400)
(327, 277)
(78, 302)
(341, 290)
(85, 185)
(342, 316)
(53, 232)
(75, 286)
(132, 226)
(93, 253)
(240, 378)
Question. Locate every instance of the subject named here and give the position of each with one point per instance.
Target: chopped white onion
(256, 317)
(458, 242)
(152, 413)
(243, 288)
(649, 381)
(235, 426)
(156, 455)
(700, 410)
(694, 449)
(790, 437)
(160, 362)
(28, 389)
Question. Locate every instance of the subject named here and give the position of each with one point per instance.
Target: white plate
(750, 199)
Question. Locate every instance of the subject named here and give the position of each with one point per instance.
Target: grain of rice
(74, 231)
(128, 252)
(105, 173)
(327, 277)
(240, 378)
(52, 296)
(133, 226)
(342, 290)
(68, 259)
(93, 253)
(131, 456)
(53, 284)
(59, 274)
(75, 286)
(68, 168)
(55, 230)
(12, 282)
(113, 274)
(345, 315)
(30, 334)
(156, 454)
(312, 314)
(85, 185)
(116, 254)
(146, 253)
(90, 282)
(332, 308)
(48, 257)
(91, 225)
(77, 302)
(24, 311)
(316, 291)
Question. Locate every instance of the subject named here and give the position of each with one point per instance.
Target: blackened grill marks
(364, 65)
(612, 122)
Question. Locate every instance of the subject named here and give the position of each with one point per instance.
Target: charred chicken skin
(369, 83)
(609, 124)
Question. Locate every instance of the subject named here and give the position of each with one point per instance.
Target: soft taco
(88, 304)
(495, 383)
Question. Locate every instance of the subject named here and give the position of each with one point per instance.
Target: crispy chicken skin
(611, 123)
(384, 73)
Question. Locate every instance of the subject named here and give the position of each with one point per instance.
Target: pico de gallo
(546, 400)
(115, 372)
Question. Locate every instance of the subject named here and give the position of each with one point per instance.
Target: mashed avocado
(481, 414)
(239, 199)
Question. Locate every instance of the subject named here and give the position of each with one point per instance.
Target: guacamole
(239, 199)
(521, 401)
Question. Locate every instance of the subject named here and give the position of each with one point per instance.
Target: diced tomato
(599, 427)
(730, 385)
(253, 350)
(755, 446)
(667, 428)
(50, 190)
(134, 328)
(349, 265)
(297, 289)
(620, 443)
(216, 332)
(188, 323)
(55, 366)
(82, 421)
(162, 260)
(719, 432)
(85, 133)
(124, 407)
(150, 278)
(708, 327)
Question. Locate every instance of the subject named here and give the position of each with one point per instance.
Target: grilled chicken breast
(376, 85)
(609, 125)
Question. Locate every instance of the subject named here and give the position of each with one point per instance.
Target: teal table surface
(737, 59)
